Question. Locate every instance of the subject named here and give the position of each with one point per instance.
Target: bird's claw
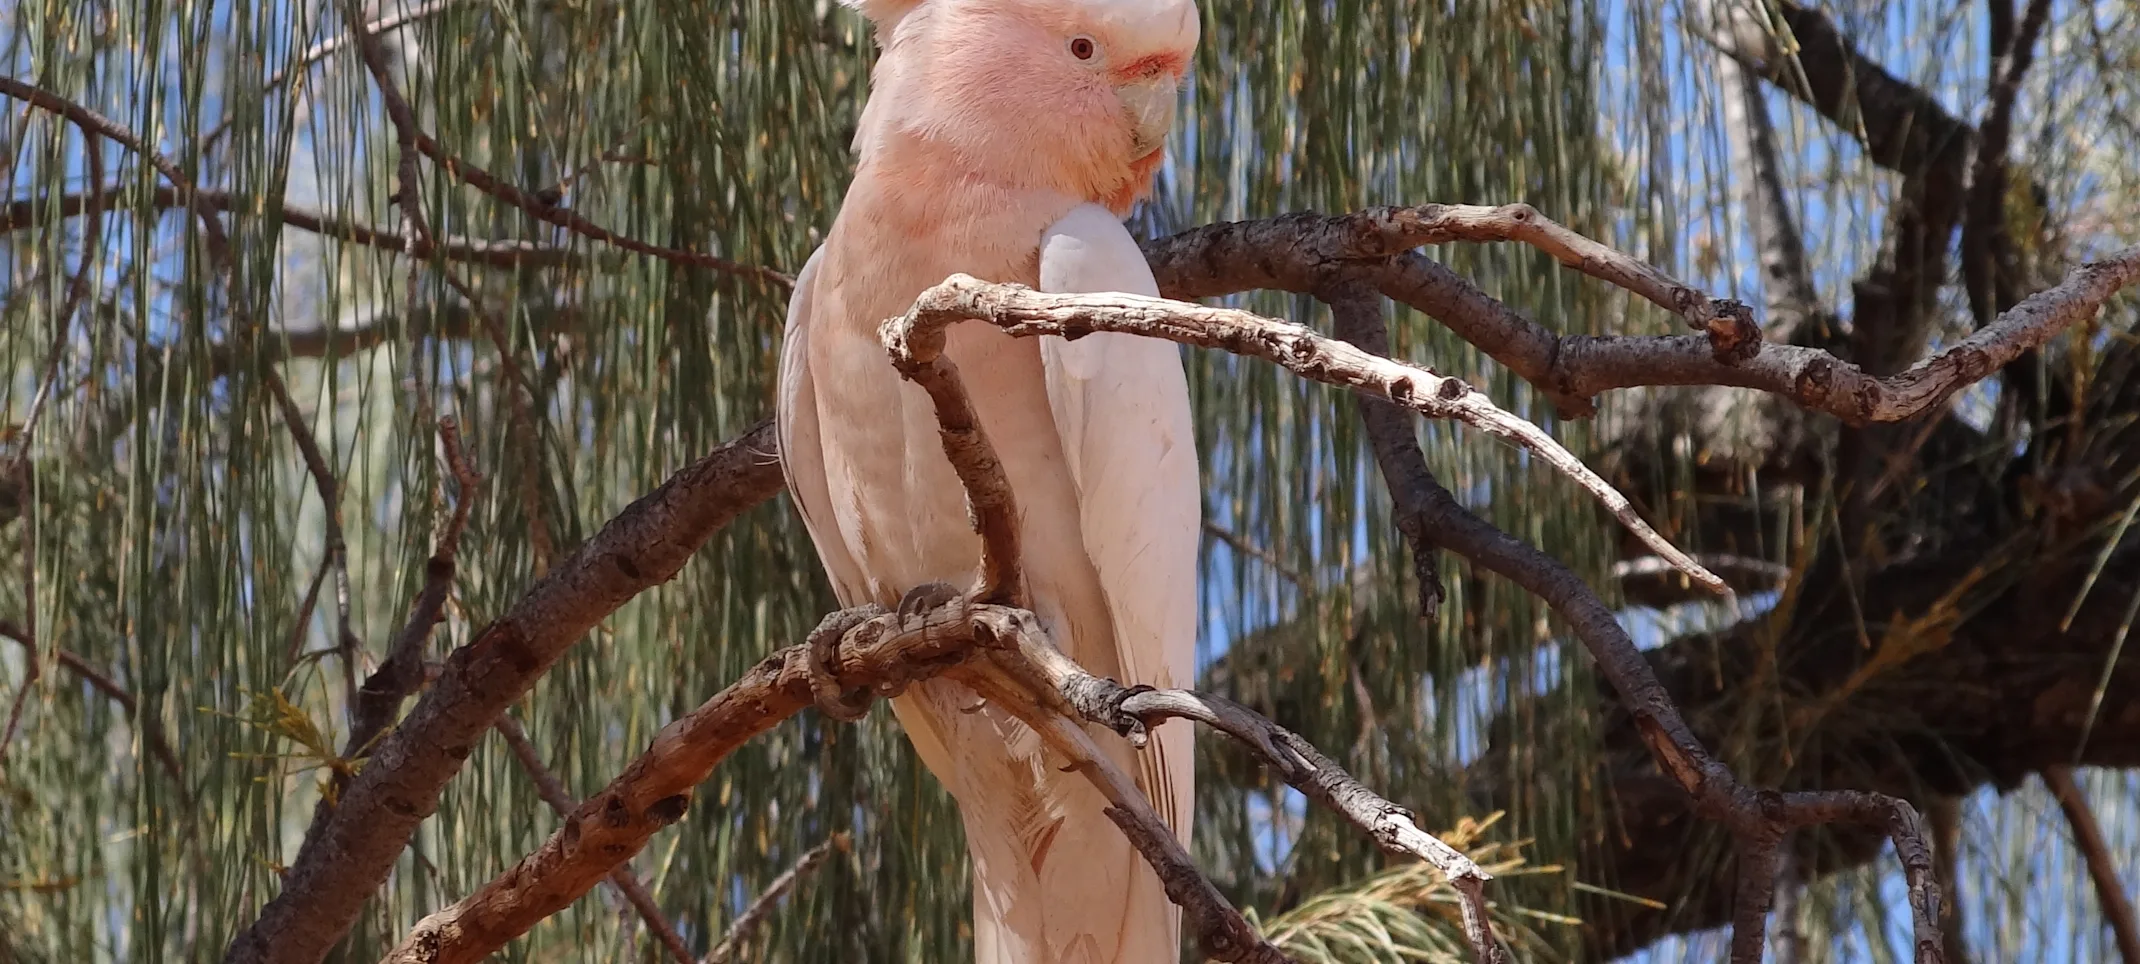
(832, 698)
(925, 599)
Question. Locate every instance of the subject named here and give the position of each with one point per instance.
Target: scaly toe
(832, 698)
(927, 598)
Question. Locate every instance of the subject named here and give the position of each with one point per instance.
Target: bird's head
(1072, 95)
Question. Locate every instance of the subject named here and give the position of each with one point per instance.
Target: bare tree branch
(1299, 252)
(1023, 312)
(26, 213)
(655, 789)
(340, 865)
(2102, 868)
(621, 877)
(1583, 366)
(326, 48)
(1356, 313)
(77, 289)
(1989, 274)
(917, 351)
(150, 729)
(414, 761)
(384, 690)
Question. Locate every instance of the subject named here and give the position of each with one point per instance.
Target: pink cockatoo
(1006, 139)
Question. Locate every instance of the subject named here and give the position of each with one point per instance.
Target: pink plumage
(999, 136)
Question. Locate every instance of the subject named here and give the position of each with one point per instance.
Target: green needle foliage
(200, 607)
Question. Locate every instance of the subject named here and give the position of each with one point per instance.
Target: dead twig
(326, 48)
(553, 792)
(1304, 253)
(746, 923)
(151, 731)
(1729, 324)
(1131, 711)
(412, 139)
(77, 289)
(490, 252)
(1242, 545)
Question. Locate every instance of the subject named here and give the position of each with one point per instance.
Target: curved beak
(1149, 102)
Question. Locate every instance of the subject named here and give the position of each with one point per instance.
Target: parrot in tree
(1007, 139)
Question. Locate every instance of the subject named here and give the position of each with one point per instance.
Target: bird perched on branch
(1006, 139)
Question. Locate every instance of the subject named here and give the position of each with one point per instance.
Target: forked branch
(1757, 819)
(1024, 312)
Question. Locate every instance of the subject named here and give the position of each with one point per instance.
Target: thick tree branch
(553, 792)
(1583, 366)
(339, 866)
(1356, 314)
(1999, 695)
(655, 790)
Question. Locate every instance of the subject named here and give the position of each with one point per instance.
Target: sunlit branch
(1023, 312)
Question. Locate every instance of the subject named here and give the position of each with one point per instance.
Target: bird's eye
(1083, 48)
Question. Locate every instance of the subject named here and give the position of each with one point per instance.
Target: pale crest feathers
(1166, 23)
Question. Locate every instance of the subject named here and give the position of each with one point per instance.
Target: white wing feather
(802, 453)
(1121, 405)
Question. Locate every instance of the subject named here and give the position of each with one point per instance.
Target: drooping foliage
(182, 553)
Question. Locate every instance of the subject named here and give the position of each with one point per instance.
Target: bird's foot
(927, 598)
(834, 699)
